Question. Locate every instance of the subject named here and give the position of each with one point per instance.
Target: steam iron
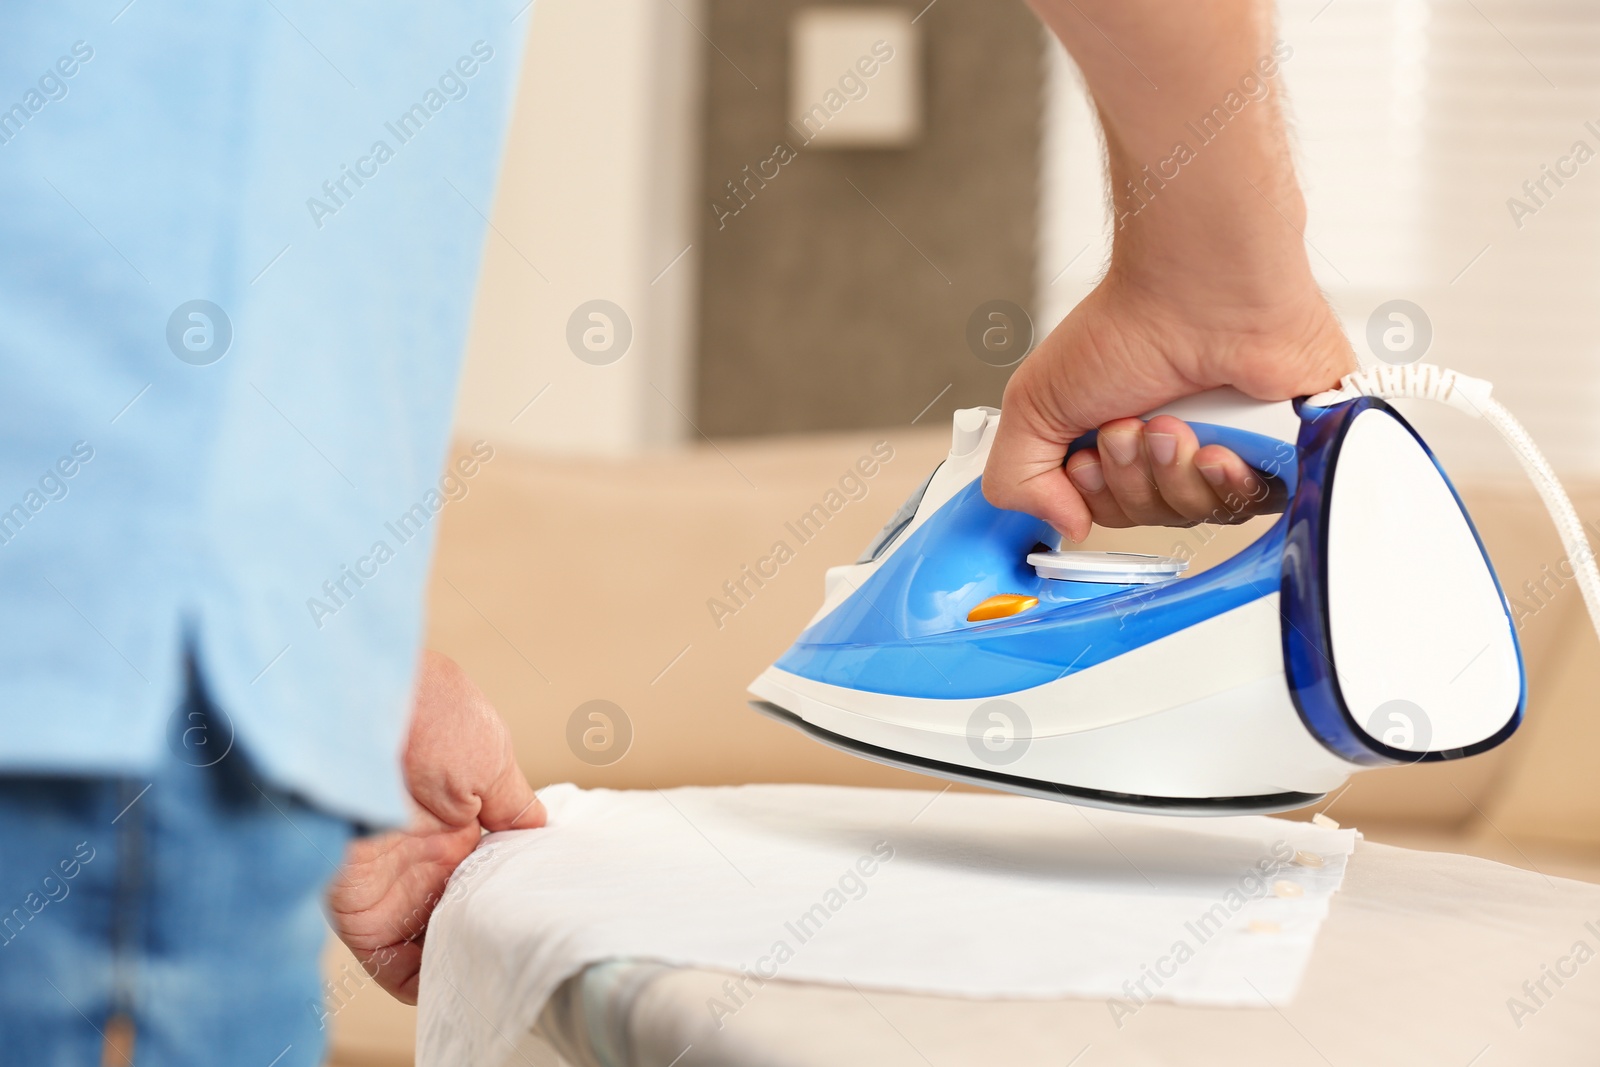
(1366, 628)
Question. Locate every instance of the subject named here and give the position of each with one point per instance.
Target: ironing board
(1423, 960)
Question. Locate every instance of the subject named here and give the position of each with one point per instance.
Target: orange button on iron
(1002, 606)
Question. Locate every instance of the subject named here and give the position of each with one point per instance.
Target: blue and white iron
(1366, 628)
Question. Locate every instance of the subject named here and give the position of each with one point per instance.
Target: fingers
(386, 889)
(1024, 472)
(1157, 474)
(1087, 471)
(509, 803)
(1241, 491)
(396, 968)
(460, 763)
(383, 897)
(1171, 446)
(1125, 459)
(1138, 474)
(462, 773)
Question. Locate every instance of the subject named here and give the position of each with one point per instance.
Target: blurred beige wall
(594, 203)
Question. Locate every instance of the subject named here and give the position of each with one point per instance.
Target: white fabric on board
(967, 894)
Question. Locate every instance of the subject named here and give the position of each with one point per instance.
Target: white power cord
(1424, 381)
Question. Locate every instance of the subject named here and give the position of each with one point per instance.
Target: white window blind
(1417, 124)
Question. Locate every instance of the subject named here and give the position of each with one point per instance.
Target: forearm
(1209, 284)
(1188, 96)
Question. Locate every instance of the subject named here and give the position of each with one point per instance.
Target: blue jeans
(188, 903)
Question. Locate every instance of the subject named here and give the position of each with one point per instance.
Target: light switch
(854, 77)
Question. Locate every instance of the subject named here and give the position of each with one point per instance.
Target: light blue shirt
(320, 172)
